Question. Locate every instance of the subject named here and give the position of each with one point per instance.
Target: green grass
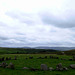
(35, 63)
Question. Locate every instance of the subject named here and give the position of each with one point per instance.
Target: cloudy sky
(37, 23)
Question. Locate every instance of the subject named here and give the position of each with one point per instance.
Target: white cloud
(37, 23)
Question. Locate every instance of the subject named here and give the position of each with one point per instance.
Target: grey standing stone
(72, 66)
(51, 68)
(65, 68)
(11, 66)
(62, 53)
(9, 58)
(2, 58)
(15, 58)
(70, 59)
(59, 67)
(3, 64)
(44, 67)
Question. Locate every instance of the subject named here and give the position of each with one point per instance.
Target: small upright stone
(44, 67)
(3, 64)
(62, 53)
(2, 58)
(51, 68)
(30, 57)
(11, 66)
(72, 66)
(65, 68)
(45, 57)
(59, 67)
(70, 59)
(15, 58)
(7, 58)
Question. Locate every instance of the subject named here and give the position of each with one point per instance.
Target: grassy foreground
(35, 63)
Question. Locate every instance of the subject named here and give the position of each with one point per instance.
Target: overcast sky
(37, 23)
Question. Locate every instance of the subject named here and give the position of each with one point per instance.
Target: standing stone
(3, 64)
(15, 58)
(2, 58)
(62, 53)
(44, 67)
(11, 66)
(45, 57)
(33, 69)
(51, 68)
(65, 68)
(59, 67)
(7, 58)
(72, 66)
(30, 57)
(70, 59)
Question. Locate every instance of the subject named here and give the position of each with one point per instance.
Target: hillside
(24, 51)
(56, 48)
(70, 52)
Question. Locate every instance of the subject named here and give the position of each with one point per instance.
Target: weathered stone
(59, 69)
(7, 58)
(34, 69)
(15, 58)
(44, 67)
(3, 65)
(62, 53)
(11, 66)
(72, 66)
(45, 57)
(65, 68)
(70, 59)
(2, 58)
(59, 65)
(30, 57)
(51, 68)
(56, 57)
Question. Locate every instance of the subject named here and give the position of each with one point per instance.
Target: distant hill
(25, 50)
(44, 47)
(56, 48)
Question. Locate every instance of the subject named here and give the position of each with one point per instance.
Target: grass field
(35, 63)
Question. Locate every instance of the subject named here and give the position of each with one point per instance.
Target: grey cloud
(58, 21)
(3, 38)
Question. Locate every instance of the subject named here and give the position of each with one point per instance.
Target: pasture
(24, 61)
